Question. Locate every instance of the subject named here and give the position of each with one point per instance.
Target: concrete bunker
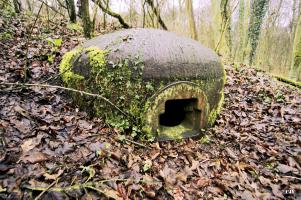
(171, 86)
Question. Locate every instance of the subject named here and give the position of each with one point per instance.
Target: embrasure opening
(180, 111)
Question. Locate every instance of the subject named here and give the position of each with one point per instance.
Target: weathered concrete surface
(165, 54)
(155, 72)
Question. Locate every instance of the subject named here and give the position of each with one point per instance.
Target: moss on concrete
(89, 70)
(66, 71)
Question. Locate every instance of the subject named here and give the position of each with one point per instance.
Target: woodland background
(259, 33)
(51, 149)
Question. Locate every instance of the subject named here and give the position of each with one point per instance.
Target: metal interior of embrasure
(181, 112)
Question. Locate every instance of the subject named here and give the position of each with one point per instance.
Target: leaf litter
(252, 152)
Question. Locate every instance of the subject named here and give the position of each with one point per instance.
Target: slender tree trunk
(86, 18)
(192, 26)
(111, 13)
(258, 10)
(225, 27)
(94, 16)
(143, 11)
(294, 16)
(296, 57)
(80, 8)
(215, 25)
(241, 18)
(105, 14)
(17, 6)
(157, 13)
(269, 36)
(29, 5)
(71, 10)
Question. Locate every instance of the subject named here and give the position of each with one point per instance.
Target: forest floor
(49, 149)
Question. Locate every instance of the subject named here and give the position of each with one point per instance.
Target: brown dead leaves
(253, 152)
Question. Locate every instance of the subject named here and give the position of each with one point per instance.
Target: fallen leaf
(34, 157)
(285, 168)
(53, 176)
(31, 143)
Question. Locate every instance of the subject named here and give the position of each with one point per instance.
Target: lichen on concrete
(122, 84)
(134, 78)
(66, 67)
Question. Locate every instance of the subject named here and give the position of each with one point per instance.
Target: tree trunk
(241, 18)
(80, 8)
(225, 27)
(143, 11)
(29, 5)
(17, 6)
(71, 10)
(192, 26)
(94, 17)
(157, 13)
(86, 18)
(246, 49)
(111, 13)
(105, 14)
(258, 10)
(296, 57)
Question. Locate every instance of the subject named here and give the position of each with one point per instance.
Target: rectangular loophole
(180, 111)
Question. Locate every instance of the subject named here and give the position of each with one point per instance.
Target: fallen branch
(292, 177)
(47, 189)
(111, 13)
(69, 89)
(288, 81)
(72, 187)
(137, 143)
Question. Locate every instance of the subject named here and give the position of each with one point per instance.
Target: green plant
(205, 139)
(75, 27)
(270, 166)
(55, 44)
(280, 97)
(90, 170)
(264, 97)
(147, 165)
(5, 36)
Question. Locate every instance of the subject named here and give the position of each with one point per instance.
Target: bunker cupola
(168, 85)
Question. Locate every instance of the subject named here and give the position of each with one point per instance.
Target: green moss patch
(141, 100)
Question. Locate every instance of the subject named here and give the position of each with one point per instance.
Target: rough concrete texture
(165, 54)
(147, 68)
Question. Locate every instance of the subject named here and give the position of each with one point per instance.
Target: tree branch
(52, 8)
(69, 89)
(155, 10)
(111, 13)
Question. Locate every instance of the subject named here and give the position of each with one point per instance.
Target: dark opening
(177, 112)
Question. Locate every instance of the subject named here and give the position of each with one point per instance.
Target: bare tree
(157, 13)
(296, 58)
(192, 26)
(71, 10)
(258, 10)
(17, 6)
(111, 13)
(86, 18)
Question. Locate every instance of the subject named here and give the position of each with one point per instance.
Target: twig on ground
(137, 143)
(27, 42)
(69, 89)
(288, 81)
(47, 189)
(292, 177)
(73, 187)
